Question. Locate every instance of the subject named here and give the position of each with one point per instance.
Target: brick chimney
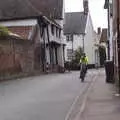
(99, 31)
(86, 6)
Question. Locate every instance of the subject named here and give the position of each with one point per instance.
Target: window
(69, 37)
(56, 32)
(69, 54)
(52, 29)
(59, 33)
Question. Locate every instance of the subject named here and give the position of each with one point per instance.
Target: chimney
(86, 6)
(99, 31)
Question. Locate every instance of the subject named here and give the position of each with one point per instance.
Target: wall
(115, 46)
(111, 39)
(58, 42)
(16, 55)
(89, 41)
(77, 42)
(26, 22)
(22, 31)
(96, 45)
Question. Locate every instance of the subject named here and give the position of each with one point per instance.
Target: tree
(78, 54)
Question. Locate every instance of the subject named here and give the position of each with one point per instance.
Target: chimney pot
(99, 30)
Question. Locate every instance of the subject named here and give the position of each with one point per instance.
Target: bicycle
(83, 71)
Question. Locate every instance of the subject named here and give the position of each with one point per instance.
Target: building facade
(113, 7)
(109, 6)
(42, 26)
(97, 36)
(79, 32)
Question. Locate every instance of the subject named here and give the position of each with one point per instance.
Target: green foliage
(74, 64)
(78, 54)
(3, 31)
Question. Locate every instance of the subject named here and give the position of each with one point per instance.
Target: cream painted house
(79, 32)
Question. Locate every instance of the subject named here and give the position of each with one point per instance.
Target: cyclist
(83, 69)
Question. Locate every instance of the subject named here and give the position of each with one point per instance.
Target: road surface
(46, 97)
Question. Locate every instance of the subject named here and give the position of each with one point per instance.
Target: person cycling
(83, 68)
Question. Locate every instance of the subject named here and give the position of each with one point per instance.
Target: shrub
(3, 31)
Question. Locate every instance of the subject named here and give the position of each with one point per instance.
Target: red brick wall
(116, 61)
(7, 63)
(16, 55)
(23, 31)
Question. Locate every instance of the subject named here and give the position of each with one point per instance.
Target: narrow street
(40, 40)
(48, 97)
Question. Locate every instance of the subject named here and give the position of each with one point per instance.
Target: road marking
(72, 107)
(82, 109)
(84, 101)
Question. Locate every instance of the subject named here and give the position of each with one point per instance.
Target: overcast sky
(99, 15)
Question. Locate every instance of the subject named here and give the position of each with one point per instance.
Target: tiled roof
(16, 9)
(75, 23)
(50, 8)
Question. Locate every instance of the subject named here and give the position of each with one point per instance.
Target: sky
(96, 7)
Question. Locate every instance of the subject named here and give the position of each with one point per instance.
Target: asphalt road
(46, 97)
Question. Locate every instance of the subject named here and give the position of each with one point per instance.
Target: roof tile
(75, 23)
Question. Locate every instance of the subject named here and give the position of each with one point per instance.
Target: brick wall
(23, 31)
(16, 55)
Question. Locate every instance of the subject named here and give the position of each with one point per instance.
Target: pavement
(99, 102)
